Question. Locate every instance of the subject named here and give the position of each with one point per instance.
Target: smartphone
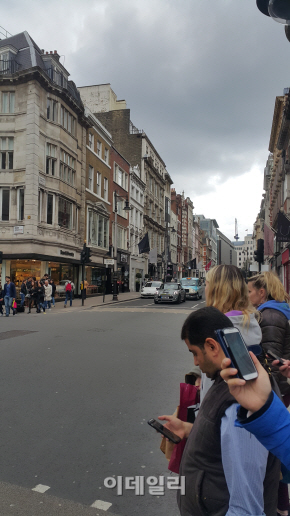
(164, 431)
(235, 348)
(275, 357)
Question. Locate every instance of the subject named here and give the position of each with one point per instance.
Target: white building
(137, 261)
(245, 252)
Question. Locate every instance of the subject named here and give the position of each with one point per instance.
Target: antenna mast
(236, 237)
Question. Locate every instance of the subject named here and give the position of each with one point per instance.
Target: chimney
(42, 50)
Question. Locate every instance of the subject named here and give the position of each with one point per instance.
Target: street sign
(108, 261)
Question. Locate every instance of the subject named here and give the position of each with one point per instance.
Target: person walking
(268, 295)
(69, 287)
(40, 297)
(1, 300)
(9, 295)
(53, 292)
(47, 295)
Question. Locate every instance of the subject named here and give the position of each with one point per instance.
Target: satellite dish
(279, 10)
(263, 6)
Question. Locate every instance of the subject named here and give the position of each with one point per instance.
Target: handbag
(14, 304)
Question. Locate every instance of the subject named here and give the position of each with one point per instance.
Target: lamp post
(246, 252)
(118, 198)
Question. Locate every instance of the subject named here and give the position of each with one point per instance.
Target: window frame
(6, 153)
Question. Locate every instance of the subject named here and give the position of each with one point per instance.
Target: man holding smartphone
(227, 471)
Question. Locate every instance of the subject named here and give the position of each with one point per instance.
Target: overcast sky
(199, 76)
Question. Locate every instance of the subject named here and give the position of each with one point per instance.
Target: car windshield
(170, 286)
(189, 282)
(153, 284)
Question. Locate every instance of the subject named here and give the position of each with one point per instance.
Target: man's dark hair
(8, 277)
(201, 325)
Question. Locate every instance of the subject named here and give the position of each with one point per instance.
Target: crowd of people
(229, 471)
(38, 294)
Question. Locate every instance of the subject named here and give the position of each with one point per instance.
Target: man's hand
(252, 394)
(285, 368)
(177, 426)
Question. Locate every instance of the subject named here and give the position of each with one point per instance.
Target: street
(78, 386)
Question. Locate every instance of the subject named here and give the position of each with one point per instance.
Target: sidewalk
(92, 302)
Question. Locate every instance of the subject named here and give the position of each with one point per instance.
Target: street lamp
(118, 198)
(246, 252)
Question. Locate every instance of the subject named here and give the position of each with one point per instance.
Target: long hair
(272, 285)
(227, 290)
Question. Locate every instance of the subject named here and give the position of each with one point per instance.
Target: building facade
(226, 252)
(137, 195)
(245, 252)
(43, 164)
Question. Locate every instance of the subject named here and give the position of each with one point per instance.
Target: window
(106, 192)
(121, 238)
(156, 190)
(67, 120)
(120, 208)
(151, 184)
(99, 149)
(98, 230)
(4, 203)
(120, 177)
(49, 212)
(21, 204)
(50, 159)
(91, 141)
(67, 168)
(106, 155)
(51, 111)
(91, 179)
(99, 184)
(64, 213)
(8, 102)
(4, 62)
(6, 150)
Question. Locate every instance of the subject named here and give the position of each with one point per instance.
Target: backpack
(68, 287)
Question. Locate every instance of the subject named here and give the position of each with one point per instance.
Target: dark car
(170, 293)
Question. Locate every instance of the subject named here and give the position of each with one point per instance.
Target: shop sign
(124, 258)
(18, 230)
(67, 253)
(108, 261)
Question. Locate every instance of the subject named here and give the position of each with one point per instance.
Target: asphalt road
(77, 388)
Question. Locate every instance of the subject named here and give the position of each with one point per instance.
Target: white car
(150, 288)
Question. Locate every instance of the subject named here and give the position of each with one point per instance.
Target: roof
(28, 53)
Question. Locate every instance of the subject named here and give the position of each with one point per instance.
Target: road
(77, 389)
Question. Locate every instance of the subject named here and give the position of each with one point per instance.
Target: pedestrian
(9, 295)
(227, 471)
(40, 292)
(85, 288)
(23, 292)
(47, 295)
(226, 290)
(33, 296)
(53, 292)
(69, 287)
(268, 295)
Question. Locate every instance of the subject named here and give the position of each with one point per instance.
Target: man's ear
(212, 346)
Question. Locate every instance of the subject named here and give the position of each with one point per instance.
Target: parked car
(60, 288)
(150, 288)
(170, 293)
(192, 287)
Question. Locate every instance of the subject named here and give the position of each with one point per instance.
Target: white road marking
(99, 504)
(193, 306)
(40, 488)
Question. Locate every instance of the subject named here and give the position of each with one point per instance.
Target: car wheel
(178, 299)
(184, 299)
(200, 297)
(156, 302)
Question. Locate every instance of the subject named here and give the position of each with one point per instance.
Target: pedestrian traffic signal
(88, 255)
(83, 256)
(259, 253)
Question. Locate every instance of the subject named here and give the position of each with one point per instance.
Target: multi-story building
(43, 163)
(226, 252)
(183, 209)
(98, 188)
(245, 252)
(139, 151)
(137, 194)
(210, 226)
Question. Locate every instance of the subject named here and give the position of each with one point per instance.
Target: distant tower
(236, 237)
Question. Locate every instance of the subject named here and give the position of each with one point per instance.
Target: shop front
(96, 280)
(286, 270)
(123, 267)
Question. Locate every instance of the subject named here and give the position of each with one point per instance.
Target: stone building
(43, 163)
(139, 151)
(137, 194)
(226, 252)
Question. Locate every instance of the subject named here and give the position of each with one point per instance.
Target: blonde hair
(227, 290)
(269, 281)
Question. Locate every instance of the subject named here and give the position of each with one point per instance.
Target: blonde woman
(226, 290)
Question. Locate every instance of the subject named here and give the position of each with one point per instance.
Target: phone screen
(240, 354)
(164, 431)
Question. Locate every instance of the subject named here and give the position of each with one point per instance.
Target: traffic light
(88, 255)
(83, 256)
(1, 256)
(259, 253)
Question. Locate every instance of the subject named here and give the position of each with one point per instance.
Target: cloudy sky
(200, 78)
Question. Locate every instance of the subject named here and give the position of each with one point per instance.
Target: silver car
(170, 293)
(150, 288)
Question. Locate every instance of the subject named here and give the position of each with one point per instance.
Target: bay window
(8, 102)
(65, 211)
(98, 230)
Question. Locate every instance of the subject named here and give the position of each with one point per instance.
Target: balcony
(9, 66)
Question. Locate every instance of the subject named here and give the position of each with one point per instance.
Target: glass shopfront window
(60, 273)
(96, 279)
(23, 269)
